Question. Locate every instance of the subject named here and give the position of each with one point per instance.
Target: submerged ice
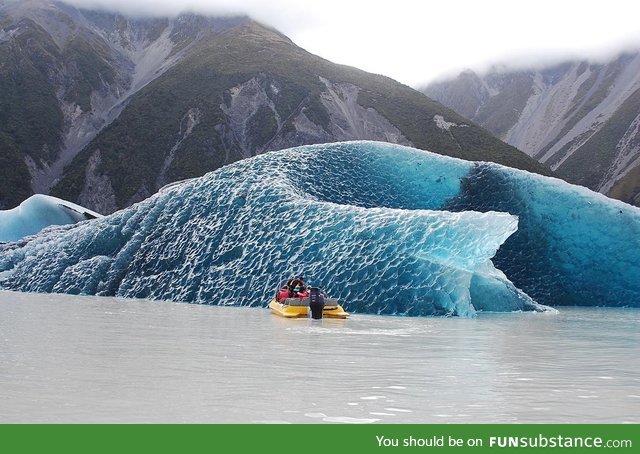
(387, 229)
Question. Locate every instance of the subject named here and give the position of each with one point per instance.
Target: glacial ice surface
(37, 212)
(385, 228)
(573, 246)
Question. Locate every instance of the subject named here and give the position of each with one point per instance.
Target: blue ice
(387, 229)
(36, 213)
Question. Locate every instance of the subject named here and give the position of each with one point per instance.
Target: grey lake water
(90, 359)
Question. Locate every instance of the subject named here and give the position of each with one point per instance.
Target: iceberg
(385, 228)
(573, 246)
(36, 213)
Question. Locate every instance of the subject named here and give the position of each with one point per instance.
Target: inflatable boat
(310, 302)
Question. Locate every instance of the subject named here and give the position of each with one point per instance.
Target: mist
(416, 42)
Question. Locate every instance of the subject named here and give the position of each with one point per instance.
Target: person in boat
(296, 287)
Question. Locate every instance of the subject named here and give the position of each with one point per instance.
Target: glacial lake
(108, 360)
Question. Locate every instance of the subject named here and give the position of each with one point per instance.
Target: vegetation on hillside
(28, 106)
(30, 119)
(92, 65)
(33, 69)
(13, 174)
(134, 147)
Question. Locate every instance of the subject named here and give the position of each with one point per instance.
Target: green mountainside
(78, 118)
(30, 119)
(134, 147)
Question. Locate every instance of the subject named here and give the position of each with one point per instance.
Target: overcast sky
(415, 41)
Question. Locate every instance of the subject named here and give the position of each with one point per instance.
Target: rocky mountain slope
(66, 73)
(103, 110)
(580, 118)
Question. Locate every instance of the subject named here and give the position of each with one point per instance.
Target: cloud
(159, 8)
(415, 40)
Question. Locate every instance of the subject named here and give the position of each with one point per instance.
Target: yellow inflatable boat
(313, 303)
(299, 308)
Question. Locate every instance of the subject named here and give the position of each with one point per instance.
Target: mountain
(104, 110)
(580, 118)
(627, 188)
(66, 73)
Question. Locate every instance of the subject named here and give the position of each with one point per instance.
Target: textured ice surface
(573, 246)
(387, 229)
(37, 212)
(323, 211)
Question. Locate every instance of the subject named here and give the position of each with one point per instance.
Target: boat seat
(296, 302)
(328, 302)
